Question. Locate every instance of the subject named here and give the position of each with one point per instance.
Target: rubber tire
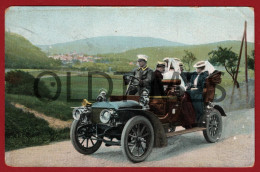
(127, 128)
(206, 133)
(77, 145)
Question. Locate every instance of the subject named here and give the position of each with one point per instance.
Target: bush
(20, 82)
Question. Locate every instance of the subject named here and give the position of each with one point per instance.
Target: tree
(227, 58)
(251, 61)
(188, 59)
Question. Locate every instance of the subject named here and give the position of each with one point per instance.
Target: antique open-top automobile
(139, 123)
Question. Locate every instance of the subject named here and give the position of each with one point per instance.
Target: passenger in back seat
(196, 88)
(157, 86)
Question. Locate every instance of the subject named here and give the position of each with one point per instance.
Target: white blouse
(196, 81)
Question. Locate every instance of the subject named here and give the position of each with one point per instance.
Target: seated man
(144, 74)
(196, 88)
(157, 86)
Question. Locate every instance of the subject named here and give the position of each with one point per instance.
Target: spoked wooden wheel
(213, 127)
(137, 139)
(83, 137)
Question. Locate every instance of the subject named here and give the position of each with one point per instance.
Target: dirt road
(235, 149)
(53, 122)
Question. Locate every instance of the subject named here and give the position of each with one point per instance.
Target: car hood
(117, 105)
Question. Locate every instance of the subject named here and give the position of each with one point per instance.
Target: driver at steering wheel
(144, 76)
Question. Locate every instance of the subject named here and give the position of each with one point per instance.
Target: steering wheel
(132, 78)
(131, 83)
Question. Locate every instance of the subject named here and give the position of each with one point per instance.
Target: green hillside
(20, 53)
(106, 44)
(158, 53)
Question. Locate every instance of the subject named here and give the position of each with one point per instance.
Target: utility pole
(238, 64)
(246, 74)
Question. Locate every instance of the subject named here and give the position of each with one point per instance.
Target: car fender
(220, 109)
(160, 139)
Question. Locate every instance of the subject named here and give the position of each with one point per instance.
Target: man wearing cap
(144, 74)
(196, 88)
(157, 86)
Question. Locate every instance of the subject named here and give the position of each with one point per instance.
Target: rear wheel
(137, 139)
(213, 127)
(83, 137)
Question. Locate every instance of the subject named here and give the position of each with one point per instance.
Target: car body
(139, 123)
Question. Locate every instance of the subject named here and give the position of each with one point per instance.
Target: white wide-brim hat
(103, 92)
(166, 58)
(142, 57)
(200, 64)
(177, 59)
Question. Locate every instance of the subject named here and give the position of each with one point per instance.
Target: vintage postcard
(129, 86)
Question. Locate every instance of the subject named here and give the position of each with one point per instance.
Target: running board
(171, 134)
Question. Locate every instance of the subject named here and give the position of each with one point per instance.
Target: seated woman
(173, 71)
(196, 88)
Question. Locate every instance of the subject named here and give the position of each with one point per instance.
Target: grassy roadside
(24, 129)
(56, 109)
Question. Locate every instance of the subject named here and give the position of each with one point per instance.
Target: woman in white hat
(196, 88)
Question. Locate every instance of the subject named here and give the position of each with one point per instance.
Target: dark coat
(197, 95)
(145, 76)
(186, 76)
(157, 86)
(187, 111)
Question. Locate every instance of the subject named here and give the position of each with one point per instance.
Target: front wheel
(83, 137)
(137, 139)
(213, 127)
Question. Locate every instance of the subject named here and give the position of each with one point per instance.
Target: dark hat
(160, 64)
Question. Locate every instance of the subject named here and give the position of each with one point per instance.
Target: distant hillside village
(93, 63)
(75, 57)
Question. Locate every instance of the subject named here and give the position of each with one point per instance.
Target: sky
(189, 25)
